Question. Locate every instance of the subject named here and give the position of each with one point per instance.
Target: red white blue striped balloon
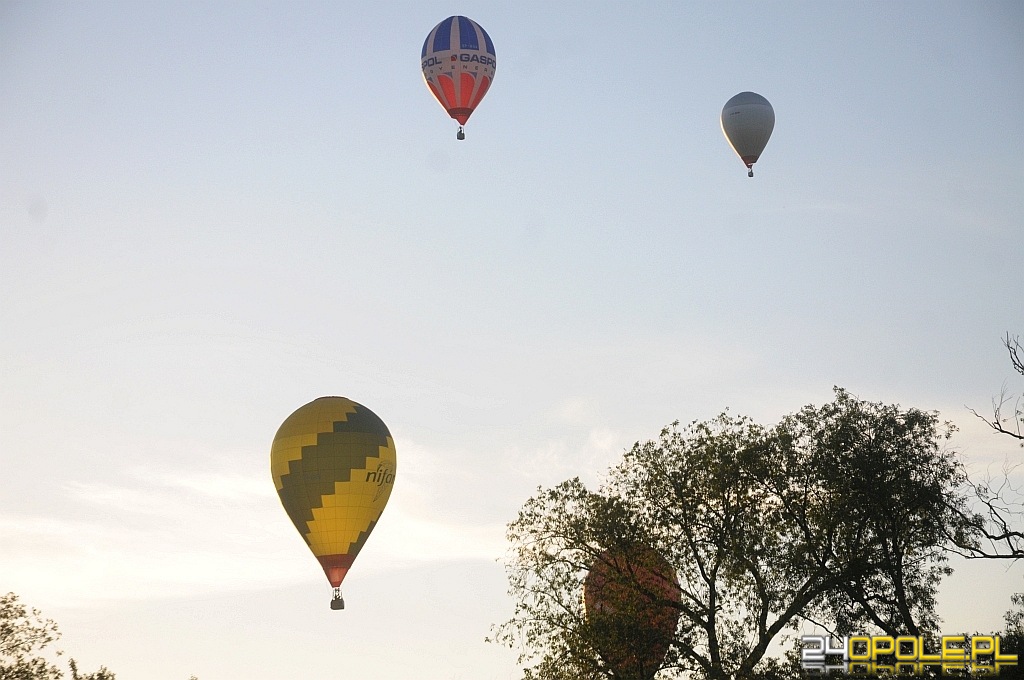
(458, 65)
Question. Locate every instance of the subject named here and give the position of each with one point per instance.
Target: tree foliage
(874, 495)
(24, 633)
(838, 514)
(24, 637)
(101, 674)
(1014, 629)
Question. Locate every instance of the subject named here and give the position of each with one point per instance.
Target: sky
(213, 213)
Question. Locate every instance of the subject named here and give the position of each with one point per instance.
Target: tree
(997, 532)
(24, 635)
(1002, 504)
(1014, 631)
(837, 514)
(101, 674)
(875, 497)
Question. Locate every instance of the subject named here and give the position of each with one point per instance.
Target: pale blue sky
(212, 213)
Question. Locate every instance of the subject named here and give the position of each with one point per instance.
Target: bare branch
(1010, 424)
(1013, 346)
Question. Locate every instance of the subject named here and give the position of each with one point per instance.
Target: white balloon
(747, 121)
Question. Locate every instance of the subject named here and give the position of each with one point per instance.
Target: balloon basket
(337, 602)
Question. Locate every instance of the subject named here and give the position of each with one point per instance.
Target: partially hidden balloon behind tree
(458, 63)
(747, 122)
(333, 462)
(632, 608)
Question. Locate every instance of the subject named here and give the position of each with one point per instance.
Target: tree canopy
(24, 633)
(24, 637)
(838, 514)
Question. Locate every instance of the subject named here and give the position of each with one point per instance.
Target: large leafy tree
(838, 513)
(875, 496)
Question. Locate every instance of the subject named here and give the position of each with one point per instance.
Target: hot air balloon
(333, 463)
(747, 121)
(458, 65)
(631, 600)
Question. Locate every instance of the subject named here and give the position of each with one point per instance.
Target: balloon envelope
(747, 121)
(458, 65)
(333, 463)
(629, 601)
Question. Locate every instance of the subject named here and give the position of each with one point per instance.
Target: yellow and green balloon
(333, 462)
